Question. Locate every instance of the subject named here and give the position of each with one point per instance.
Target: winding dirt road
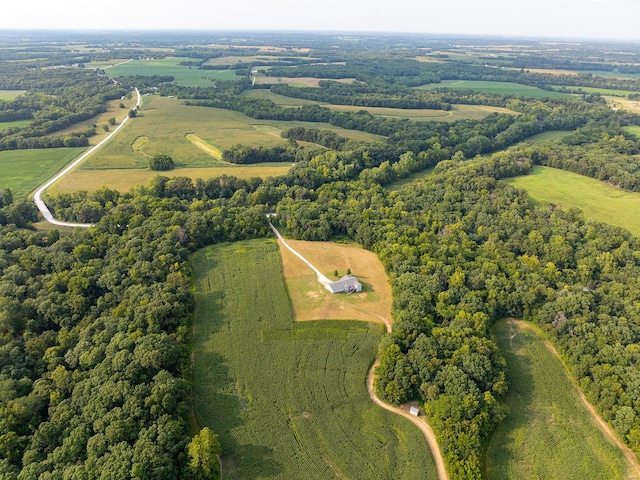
(419, 422)
(37, 196)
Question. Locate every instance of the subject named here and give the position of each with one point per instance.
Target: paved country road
(37, 197)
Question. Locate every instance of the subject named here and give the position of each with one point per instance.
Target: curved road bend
(37, 197)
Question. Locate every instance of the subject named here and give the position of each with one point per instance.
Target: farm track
(602, 425)
(419, 422)
(37, 197)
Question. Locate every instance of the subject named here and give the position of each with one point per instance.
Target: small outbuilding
(414, 411)
(348, 284)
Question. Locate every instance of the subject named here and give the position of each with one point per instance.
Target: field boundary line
(37, 197)
(601, 423)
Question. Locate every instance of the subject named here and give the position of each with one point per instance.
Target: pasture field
(548, 433)
(311, 301)
(288, 399)
(25, 170)
(398, 184)
(457, 112)
(600, 91)
(502, 88)
(633, 129)
(279, 100)
(597, 200)
(166, 122)
(547, 136)
(16, 123)
(189, 77)
(298, 81)
(124, 180)
(10, 94)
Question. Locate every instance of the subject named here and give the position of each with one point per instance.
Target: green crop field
(190, 77)
(597, 200)
(288, 399)
(548, 433)
(503, 88)
(25, 170)
(10, 94)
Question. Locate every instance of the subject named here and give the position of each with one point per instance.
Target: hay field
(502, 88)
(597, 200)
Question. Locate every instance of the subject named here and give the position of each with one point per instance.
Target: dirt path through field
(419, 422)
(602, 425)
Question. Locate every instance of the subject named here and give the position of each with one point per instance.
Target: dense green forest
(95, 324)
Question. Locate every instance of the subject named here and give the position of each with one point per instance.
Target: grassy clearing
(597, 200)
(548, 136)
(8, 95)
(457, 112)
(298, 81)
(502, 88)
(288, 399)
(16, 123)
(549, 433)
(25, 170)
(124, 180)
(601, 91)
(279, 100)
(397, 185)
(190, 77)
(633, 129)
(311, 301)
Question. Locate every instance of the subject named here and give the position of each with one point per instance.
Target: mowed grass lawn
(597, 200)
(288, 399)
(503, 88)
(25, 170)
(548, 433)
(189, 77)
(311, 301)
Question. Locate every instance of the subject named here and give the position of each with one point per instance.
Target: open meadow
(457, 112)
(502, 88)
(548, 433)
(189, 77)
(25, 170)
(288, 399)
(16, 123)
(10, 94)
(597, 200)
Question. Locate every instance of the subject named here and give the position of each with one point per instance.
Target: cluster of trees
(56, 100)
(161, 162)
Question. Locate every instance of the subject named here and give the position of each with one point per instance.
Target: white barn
(348, 284)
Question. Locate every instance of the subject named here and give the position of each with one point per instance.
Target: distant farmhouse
(348, 284)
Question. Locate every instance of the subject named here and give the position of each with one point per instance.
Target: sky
(580, 19)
